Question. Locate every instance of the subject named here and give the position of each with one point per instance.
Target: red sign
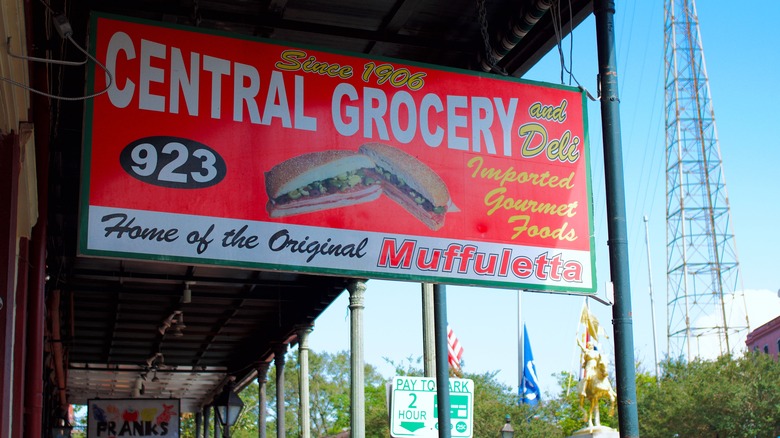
(212, 148)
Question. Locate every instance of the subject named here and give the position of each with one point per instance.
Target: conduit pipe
(59, 357)
(33, 399)
(518, 28)
(9, 176)
(20, 341)
(40, 116)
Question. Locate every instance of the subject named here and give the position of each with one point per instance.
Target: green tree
(569, 416)
(494, 400)
(726, 397)
(246, 426)
(329, 396)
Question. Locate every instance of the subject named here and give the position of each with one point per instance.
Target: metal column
(616, 212)
(303, 379)
(442, 365)
(262, 378)
(429, 349)
(357, 412)
(279, 352)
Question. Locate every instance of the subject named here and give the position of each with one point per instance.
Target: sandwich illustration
(337, 178)
(410, 183)
(320, 180)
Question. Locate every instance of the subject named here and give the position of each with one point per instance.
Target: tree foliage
(494, 400)
(329, 392)
(329, 395)
(722, 398)
(566, 406)
(727, 397)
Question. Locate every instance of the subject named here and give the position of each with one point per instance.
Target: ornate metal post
(279, 352)
(303, 360)
(357, 412)
(262, 378)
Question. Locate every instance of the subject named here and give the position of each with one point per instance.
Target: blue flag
(530, 391)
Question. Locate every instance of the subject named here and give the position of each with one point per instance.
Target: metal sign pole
(442, 366)
(616, 212)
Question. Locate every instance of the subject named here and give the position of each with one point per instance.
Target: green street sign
(414, 407)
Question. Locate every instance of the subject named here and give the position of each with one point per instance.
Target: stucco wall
(14, 100)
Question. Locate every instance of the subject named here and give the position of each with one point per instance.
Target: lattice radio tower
(703, 297)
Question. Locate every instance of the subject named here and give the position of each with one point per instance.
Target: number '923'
(173, 162)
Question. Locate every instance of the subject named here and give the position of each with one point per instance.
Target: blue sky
(742, 56)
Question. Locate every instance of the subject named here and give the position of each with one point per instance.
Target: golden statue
(595, 382)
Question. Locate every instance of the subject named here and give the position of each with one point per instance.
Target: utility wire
(555, 11)
(65, 31)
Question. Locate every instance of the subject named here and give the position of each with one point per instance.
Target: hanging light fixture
(168, 322)
(228, 406)
(186, 296)
(62, 427)
(177, 330)
(155, 358)
(507, 431)
(62, 431)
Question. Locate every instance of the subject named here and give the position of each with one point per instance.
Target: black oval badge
(173, 162)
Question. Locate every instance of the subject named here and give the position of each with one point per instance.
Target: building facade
(766, 338)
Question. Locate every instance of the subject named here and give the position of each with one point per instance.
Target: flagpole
(587, 327)
(578, 373)
(652, 306)
(520, 347)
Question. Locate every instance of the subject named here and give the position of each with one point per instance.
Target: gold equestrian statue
(595, 384)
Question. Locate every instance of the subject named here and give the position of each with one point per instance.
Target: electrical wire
(645, 152)
(626, 64)
(557, 20)
(68, 36)
(46, 5)
(43, 60)
(571, 40)
(555, 10)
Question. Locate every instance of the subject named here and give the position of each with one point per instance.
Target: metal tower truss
(702, 264)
